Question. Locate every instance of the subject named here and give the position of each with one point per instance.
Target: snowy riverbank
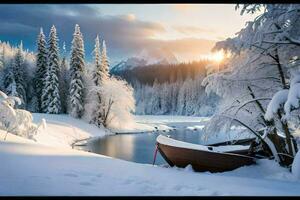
(63, 130)
(32, 168)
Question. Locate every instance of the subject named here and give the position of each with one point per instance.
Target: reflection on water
(138, 147)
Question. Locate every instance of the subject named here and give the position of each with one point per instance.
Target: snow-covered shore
(33, 168)
(63, 130)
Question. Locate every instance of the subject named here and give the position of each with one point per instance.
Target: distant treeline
(164, 72)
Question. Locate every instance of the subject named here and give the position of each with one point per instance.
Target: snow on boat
(202, 157)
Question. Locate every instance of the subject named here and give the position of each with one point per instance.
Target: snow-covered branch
(277, 101)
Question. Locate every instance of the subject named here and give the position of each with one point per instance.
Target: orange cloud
(184, 49)
(184, 7)
(192, 30)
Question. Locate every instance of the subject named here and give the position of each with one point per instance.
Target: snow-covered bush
(117, 103)
(23, 124)
(7, 112)
(15, 121)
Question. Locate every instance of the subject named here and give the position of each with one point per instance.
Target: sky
(188, 31)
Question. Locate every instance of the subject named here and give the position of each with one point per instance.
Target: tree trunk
(284, 158)
(287, 135)
(274, 138)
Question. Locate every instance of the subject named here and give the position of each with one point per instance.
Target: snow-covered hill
(32, 168)
(146, 57)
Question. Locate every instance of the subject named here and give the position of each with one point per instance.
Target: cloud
(14, 28)
(192, 30)
(130, 17)
(187, 48)
(184, 7)
(124, 34)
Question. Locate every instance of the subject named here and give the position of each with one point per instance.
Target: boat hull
(203, 160)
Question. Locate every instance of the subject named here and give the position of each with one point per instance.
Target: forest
(173, 89)
(46, 82)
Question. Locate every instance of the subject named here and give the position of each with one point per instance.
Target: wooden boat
(203, 158)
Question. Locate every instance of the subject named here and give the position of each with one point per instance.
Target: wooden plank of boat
(202, 158)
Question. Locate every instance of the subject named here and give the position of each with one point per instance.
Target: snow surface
(168, 122)
(63, 130)
(146, 123)
(32, 168)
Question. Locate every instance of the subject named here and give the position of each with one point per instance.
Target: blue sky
(186, 30)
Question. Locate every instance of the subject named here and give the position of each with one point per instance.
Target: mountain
(144, 58)
(130, 63)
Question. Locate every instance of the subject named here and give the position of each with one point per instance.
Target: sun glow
(216, 56)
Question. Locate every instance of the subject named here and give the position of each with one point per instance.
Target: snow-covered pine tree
(98, 105)
(77, 70)
(10, 83)
(94, 95)
(155, 97)
(50, 97)
(97, 74)
(64, 78)
(2, 65)
(104, 61)
(18, 73)
(41, 68)
(100, 75)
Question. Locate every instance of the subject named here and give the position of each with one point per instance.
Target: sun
(218, 56)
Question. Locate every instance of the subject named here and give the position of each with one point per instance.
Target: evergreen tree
(100, 75)
(97, 77)
(51, 97)
(18, 75)
(97, 72)
(155, 97)
(2, 65)
(2, 68)
(64, 77)
(41, 68)
(104, 62)
(77, 70)
(10, 83)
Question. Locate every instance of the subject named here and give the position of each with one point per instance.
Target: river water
(138, 147)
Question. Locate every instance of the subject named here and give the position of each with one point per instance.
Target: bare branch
(243, 124)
